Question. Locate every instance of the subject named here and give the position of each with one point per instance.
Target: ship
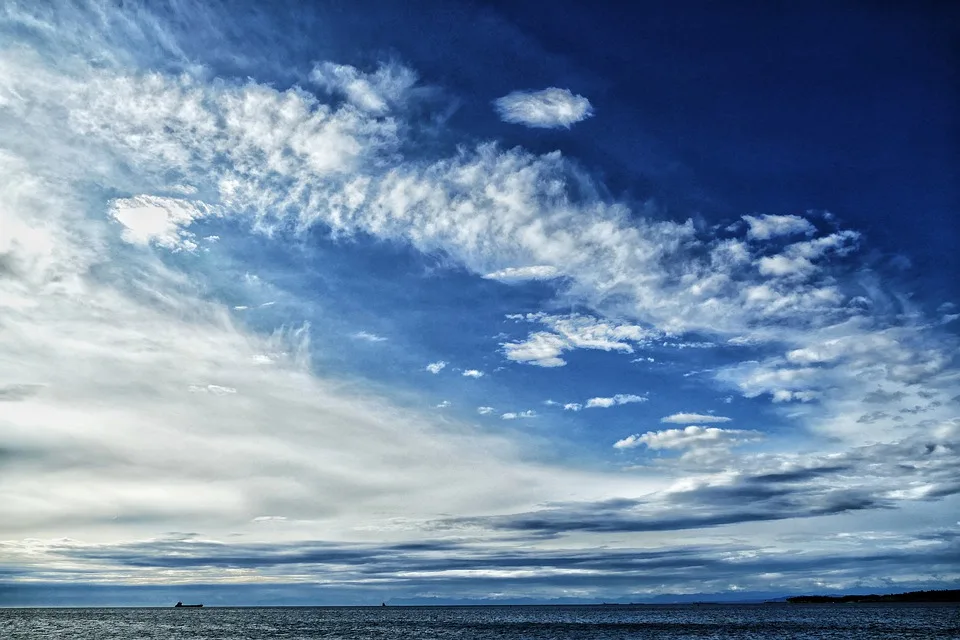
(180, 605)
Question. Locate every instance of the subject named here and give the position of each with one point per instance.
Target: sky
(349, 302)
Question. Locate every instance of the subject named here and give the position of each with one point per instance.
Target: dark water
(423, 623)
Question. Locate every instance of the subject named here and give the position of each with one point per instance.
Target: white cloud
(215, 389)
(443, 405)
(520, 274)
(541, 349)
(767, 226)
(781, 265)
(373, 92)
(619, 399)
(436, 367)
(692, 437)
(369, 337)
(472, 373)
(299, 442)
(693, 418)
(485, 411)
(797, 259)
(159, 220)
(284, 158)
(517, 416)
(572, 406)
(546, 109)
(575, 331)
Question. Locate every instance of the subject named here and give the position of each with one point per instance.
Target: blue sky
(346, 303)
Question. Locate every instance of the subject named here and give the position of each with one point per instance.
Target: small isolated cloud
(369, 337)
(765, 226)
(443, 405)
(693, 418)
(547, 109)
(485, 411)
(472, 373)
(620, 398)
(692, 437)
(544, 348)
(158, 220)
(572, 406)
(520, 274)
(541, 349)
(436, 367)
(517, 416)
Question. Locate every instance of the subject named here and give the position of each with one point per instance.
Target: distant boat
(383, 604)
(180, 605)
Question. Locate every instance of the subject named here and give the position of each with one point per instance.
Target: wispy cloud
(436, 367)
(159, 220)
(519, 415)
(472, 373)
(369, 337)
(619, 399)
(373, 92)
(519, 274)
(543, 348)
(693, 418)
(690, 437)
(117, 156)
(546, 109)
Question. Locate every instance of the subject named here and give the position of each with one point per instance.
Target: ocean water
(755, 622)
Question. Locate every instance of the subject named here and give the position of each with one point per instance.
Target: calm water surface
(424, 623)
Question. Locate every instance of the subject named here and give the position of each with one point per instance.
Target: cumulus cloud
(693, 418)
(620, 398)
(436, 367)
(485, 411)
(689, 437)
(546, 109)
(472, 373)
(764, 227)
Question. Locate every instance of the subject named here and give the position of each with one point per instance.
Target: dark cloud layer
(362, 573)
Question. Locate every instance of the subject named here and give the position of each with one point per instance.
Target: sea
(756, 622)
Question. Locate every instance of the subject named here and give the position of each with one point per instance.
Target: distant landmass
(942, 595)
